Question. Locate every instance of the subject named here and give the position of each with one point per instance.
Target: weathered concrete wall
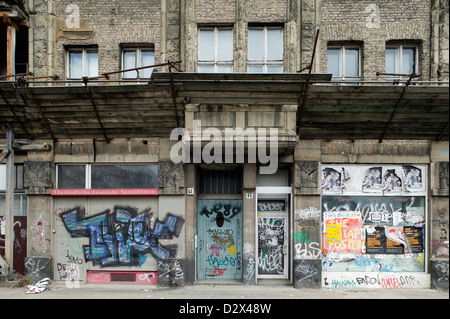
(439, 215)
(249, 208)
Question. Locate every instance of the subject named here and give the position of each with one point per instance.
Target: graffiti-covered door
(219, 244)
(272, 239)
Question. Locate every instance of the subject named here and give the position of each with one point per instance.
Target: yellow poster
(334, 233)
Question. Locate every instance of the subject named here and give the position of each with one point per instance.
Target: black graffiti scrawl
(123, 235)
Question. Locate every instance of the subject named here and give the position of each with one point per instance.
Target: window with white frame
(82, 62)
(136, 58)
(401, 59)
(344, 61)
(215, 50)
(265, 50)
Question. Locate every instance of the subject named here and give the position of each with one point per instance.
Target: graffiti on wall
(40, 239)
(373, 233)
(439, 243)
(375, 280)
(308, 238)
(123, 235)
(271, 237)
(219, 239)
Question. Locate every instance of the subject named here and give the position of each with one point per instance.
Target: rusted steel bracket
(15, 115)
(306, 86)
(172, 91)
(408, 82)
(94, 106)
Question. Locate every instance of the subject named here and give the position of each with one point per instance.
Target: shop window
(220, 182)
(124, 176)
(265, 50)
(20, 198)
(107, 176)
(136, 57)
(215, 50)
(82, 62)
(71, 176)
(344, 61)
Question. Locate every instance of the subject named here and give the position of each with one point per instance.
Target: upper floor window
(215, 50)
(401, 59)
(265, 50)
(82, 62)
(135, 58)
(344, 61)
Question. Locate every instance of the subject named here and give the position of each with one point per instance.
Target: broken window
(13, 39)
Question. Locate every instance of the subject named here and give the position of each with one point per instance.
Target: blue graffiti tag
(122, 236)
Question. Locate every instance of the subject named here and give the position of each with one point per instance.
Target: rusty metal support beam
(411, 76)
(4, 154)
(97, 114)
(107, 74)
(442, 133)
(306, 86)
(15, 115)
(47, 125)
(14, 75)
(172, 91)
(9, 201)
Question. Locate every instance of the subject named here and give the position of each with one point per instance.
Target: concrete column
(9, 201)
(191, 223)
(249, 225)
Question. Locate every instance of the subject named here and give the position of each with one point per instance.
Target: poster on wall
(373, 180)
(414, 236)
(373, 224)
(342, 233)
(413, 178)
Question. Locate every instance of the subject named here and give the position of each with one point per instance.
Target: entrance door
(219, 243)
(272, 218)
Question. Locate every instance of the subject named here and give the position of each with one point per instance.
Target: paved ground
(59, 290)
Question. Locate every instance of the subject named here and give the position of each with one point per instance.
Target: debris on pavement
(38, 286)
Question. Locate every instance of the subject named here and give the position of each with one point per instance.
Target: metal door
(219, 243)
(272, 239)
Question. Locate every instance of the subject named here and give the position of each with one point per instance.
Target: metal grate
(220, 181)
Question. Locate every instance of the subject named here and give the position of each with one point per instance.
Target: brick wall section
(398, 20)
(112, 22)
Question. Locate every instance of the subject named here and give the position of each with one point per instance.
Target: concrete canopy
(330, 110)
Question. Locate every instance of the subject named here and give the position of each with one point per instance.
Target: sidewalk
(59, 290)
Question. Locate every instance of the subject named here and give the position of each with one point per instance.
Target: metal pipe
(305, 88)
(14, 75)
(15, 115)
(411, 76)
(85, 80)
(172, 90)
